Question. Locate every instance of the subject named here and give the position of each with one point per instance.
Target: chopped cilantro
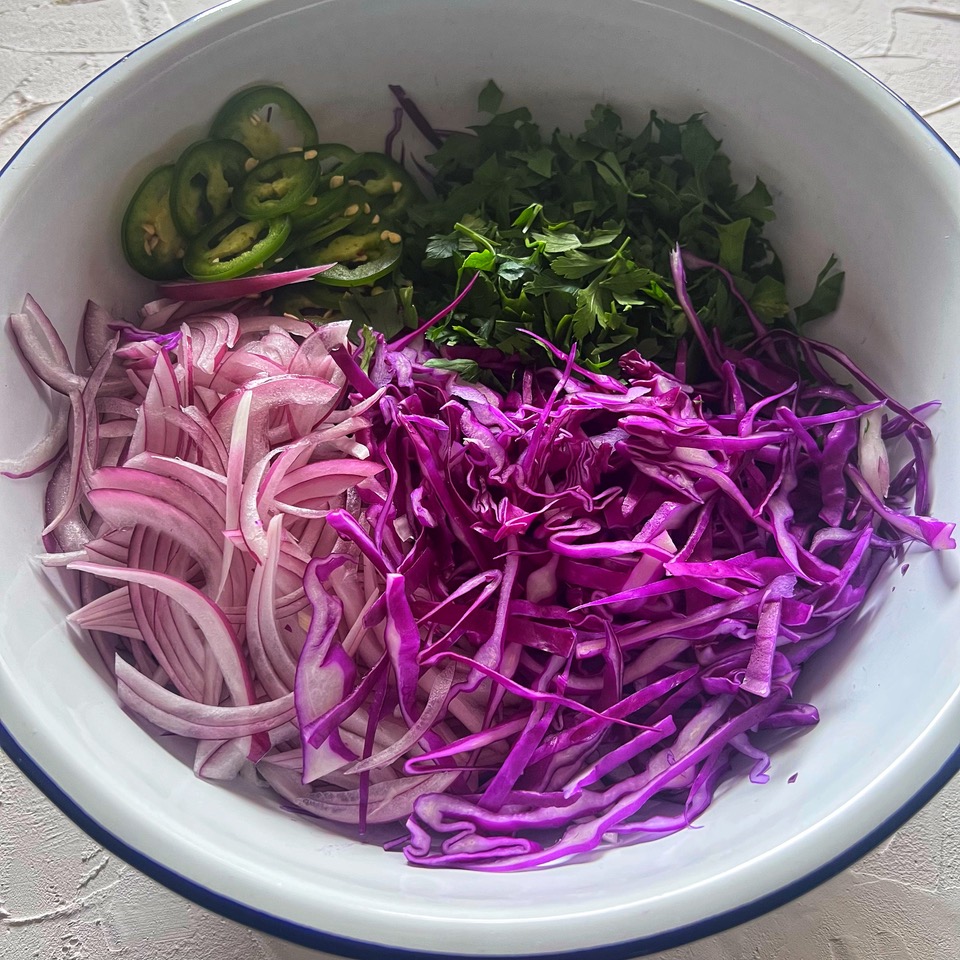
(571, 236)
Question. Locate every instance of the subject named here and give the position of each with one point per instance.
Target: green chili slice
(231, 246)
(151, 242)
(385, 182)
(204, 179)
(360, 258)
(266, 120)
(277, 186)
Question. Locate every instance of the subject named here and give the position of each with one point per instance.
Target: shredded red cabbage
(521, 624)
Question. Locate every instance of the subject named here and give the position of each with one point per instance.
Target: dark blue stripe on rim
(363, 950)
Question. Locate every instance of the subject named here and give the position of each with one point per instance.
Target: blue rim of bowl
(363, 950)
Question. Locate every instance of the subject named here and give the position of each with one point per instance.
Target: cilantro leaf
(559, 241)
(697, 145)
(442, 247)
(511, 269)
(526, 218)
(732, 238)
(602, 129)
(610, 171)
(575, 264)
(602, 236)
(546, 282)
(669, 135)
(825, 296)
(590, 311)
(626, 287)
(756, 203)
(540, 161)
(491, 96)
(480, 260)
(769, 299)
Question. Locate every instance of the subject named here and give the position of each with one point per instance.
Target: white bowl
(855, 171)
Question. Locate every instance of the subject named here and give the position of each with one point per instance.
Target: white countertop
(63, 898)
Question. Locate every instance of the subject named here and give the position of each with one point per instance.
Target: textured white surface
(63, 898)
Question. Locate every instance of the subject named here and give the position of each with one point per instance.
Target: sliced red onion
(46, 450)
(43, 349)
(872, 453)
(223, 759)
(251, 326)
(200, 720)
(193, 290)
(125, 508)
(387, 802)
(96, 330)
(111, 612)
(210, 336)
(275, 667)
(215, 626)
(82, 444)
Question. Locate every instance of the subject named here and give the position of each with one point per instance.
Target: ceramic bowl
(854, 171)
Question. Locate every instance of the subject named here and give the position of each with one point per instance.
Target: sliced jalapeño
(360, 259)
(277, 186)
(232, 246)
(204, 179)
(151, 242)
(266, 120)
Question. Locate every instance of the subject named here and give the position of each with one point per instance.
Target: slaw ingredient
(527, 623)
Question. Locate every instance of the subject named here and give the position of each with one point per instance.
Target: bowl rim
(359, 949)
(356, 949)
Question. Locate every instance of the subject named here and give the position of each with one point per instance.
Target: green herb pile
(572, 235)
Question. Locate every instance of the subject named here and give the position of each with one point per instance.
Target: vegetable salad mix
(518, 582)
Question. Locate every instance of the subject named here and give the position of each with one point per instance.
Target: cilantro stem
(615, 258)
(475, 237)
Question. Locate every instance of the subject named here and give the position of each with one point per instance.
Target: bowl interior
(852, 171)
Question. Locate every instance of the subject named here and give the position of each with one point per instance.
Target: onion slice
(194, 290)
